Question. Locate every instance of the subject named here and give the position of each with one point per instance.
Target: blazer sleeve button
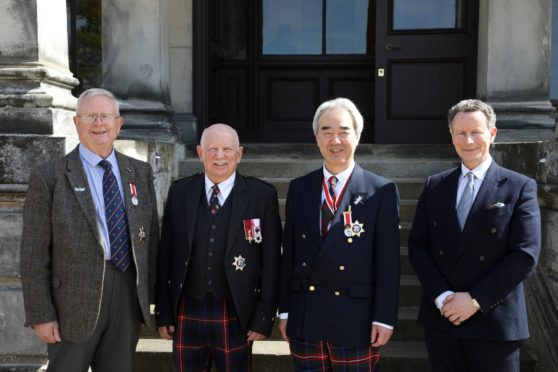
(481, 258)
(441, 253)
(435, 223)
(493, 230)
(303, 236)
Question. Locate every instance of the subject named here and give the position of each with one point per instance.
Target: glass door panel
(347, 27)
(426, 14)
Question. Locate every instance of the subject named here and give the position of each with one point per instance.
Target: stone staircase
(408, 166)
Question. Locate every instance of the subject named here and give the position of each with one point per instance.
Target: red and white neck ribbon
(329, 199)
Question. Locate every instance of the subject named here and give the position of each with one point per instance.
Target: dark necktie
(327, 214)
(466, 201)
(117, 222)
(214, 204)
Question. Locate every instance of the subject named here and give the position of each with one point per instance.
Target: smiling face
(98, 136)
(219, 151)
(471, 137)
(337, 139)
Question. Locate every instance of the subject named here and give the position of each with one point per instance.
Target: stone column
(514, 66)
(136, 66)
(36, 108)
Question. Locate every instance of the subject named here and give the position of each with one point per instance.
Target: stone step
(389, 168)
(406, 267)
(311, 151)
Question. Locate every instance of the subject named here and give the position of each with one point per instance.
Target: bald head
(219, 151)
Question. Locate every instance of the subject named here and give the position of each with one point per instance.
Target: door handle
(390, 47)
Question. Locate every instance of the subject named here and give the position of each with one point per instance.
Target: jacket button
(312, 288)
(493, 230)
(304, 264)
(435, 223)
(441, 253)
(341, 268)
(337, 293)
(180, 285)
(169, 282)
(186, 263)
(481, 258)
(303, 236)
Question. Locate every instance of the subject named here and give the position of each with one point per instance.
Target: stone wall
(540, 161)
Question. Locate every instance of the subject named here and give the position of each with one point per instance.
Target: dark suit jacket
(62, 259)
(333, 289)
(497, 249)
(254, 289)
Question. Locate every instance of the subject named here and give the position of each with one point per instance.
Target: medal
(134, 194)
(253, 230)
(352, 229)
(239, 263)
(141, 234)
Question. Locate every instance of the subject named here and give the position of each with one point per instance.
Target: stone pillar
(514, 67)
(136, 66)
(36, 108)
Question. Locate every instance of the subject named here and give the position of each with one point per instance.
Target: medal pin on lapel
(141, 234)
(134, 194)
(239, 263)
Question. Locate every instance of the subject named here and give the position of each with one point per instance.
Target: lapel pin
(358, 200)
(79, 189)
(239, 263)
(141, 234)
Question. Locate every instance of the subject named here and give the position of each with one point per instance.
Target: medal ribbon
(133, 190)
(329, 198)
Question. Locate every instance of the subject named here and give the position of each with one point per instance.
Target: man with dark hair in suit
(475, 239)
(89, 224)
(218, 262)
(340, 263)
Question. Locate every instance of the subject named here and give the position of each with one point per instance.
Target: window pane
(426, 14)
(346, 26)
(292, 27)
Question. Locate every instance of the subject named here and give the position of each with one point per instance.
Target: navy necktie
(466, 201)
(214, 204)
(117, 222)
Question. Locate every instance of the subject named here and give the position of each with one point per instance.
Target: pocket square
(497, 205)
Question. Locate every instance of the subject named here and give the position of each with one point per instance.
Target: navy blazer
(496, 251)
(333, 289)
(255, 288)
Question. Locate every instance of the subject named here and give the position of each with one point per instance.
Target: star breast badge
(239, 263)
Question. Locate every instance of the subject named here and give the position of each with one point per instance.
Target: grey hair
(342, 104)
(472, 105)
(97, 92)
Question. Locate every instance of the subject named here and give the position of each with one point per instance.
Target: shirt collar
(223, 186)
(93, 159)
(342, 177)
(479, 171)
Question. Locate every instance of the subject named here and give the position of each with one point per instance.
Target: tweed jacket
(254, 289)
(334, 288)
(62, 259)
(497, 249)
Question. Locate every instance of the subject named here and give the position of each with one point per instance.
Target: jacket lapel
(194, 194)
(312, 202)
(80, 188)
(488, 192)
(240, 200)
(448, 198)
(355, 188)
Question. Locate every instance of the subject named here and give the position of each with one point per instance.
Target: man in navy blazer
(340, 263)
(473, 306)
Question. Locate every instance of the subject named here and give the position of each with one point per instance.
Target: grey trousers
(112, 346)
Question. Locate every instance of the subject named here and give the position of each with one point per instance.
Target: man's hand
(166, 332)
(254, 336)
(379, 335)
(459, 307)
(48, 332)
(283, 329)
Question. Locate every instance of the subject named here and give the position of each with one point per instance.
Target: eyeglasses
(91, 118)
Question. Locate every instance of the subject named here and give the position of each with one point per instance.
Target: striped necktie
(117, 221)
(327, 213)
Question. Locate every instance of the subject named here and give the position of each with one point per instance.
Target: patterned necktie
(327, 214)
(117, 222)
(214, 204)
(466, 200)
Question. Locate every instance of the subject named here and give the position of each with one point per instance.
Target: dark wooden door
(425, 63)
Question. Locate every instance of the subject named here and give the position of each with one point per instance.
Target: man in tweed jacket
(80, 302)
